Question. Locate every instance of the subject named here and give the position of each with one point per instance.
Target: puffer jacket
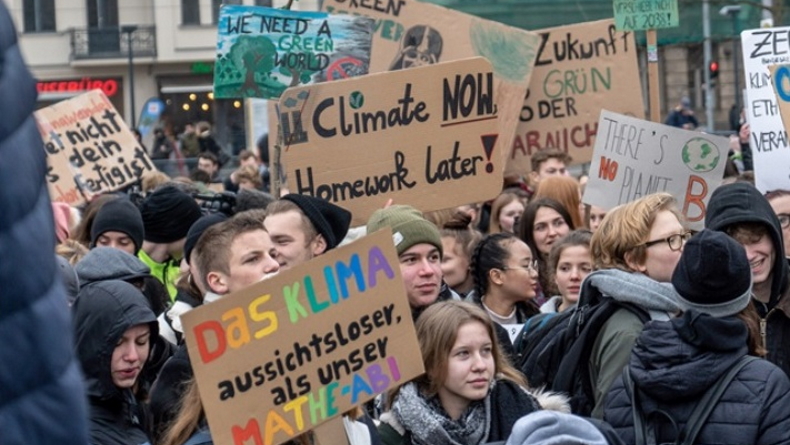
(103, 312)
(42, 398)
(674, 362)
(740, 203)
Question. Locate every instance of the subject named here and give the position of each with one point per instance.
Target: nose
(478, 364)
(131, 354)
(425, 267)
(575, 275)
(270, 265)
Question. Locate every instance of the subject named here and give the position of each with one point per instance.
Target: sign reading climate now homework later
(640, 15)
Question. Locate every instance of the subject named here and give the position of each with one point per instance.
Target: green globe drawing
(700, 155)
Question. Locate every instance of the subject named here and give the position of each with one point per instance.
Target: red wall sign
(108, 86)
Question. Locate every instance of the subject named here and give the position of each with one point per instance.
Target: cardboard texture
(641, 15)
(410, 33)
(634, 158)
(90, 149)
(770, 149)
(430, 133)
(580, 69)
(262, 51)
(287, 354)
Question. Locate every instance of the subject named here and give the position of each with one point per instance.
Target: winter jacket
(675, 362)
(103, 312)
(741, 202)
(42, 398)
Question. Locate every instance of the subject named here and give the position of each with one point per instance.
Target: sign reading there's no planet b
(425, 136)
(634, 158)
(262, 51)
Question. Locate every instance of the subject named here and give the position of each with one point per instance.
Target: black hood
(102, 313)
(742, 202)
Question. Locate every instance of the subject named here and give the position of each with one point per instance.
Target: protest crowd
(537, 318)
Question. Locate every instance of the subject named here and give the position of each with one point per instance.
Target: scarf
(429, 424)
(635, 288)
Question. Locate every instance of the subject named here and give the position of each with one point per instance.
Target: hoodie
(109, 263)
(102, 314)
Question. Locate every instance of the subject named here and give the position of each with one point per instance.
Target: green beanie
(408, 225)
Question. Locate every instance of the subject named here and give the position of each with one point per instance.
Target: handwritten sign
(287, 354)
(90, 150)
(640, 15)
(770, 149)
(634, 158)
(780, 77)
(430, 133)
(579, 70)
(410, 33)
(262, 51)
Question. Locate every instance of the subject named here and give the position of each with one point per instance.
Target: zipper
(763, 324)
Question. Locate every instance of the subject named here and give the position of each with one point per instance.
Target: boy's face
(421, 269)
(291, 246)
(549, 167)
(761, 257)
(250, 261)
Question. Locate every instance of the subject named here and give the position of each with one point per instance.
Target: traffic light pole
(710, 104)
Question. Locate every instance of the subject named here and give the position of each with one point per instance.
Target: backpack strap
(699, 417)
(640, 426)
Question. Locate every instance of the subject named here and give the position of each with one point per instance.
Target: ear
(496, 276)
(217, 283)
(534, 177)
(633, 264)
(318, 245)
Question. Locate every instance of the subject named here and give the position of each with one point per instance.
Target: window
(102, 13)
(190, 12)
(215, 4)
(39, 15)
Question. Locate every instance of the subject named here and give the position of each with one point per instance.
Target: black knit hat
(119, 215)
(713, 275)
(329, 220)
(197, 229)
(168, 213)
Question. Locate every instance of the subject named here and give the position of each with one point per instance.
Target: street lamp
(733, 11)
(128, 30)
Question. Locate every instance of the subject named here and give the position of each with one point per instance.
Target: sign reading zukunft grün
(640, 15)
(262, 51)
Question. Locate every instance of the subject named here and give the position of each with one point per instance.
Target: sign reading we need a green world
(640, 15)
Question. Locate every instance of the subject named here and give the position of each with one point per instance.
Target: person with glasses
(634, 251)
(780, 202)
(505, 276)
(742, 212)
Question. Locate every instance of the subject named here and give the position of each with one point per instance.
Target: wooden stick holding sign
(648, 15)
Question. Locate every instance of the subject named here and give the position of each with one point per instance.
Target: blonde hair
(152, 180)
(250, 174)
(565, 190)
(71, 250)
(499, 203)
(624, 230)
(437, 329)
(188, 416)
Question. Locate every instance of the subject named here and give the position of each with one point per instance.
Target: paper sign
(579, 70)
(410, 33)
(429, 134)
(768, 141)
(634, 158)
(287, 354)
(90, 150)
(262, 51)
(640, 15)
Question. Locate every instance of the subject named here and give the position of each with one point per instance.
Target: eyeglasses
(531, 267)
(784, 220)
(675, 242)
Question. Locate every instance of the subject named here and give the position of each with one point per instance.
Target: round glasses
(675, 242)
(531, 267)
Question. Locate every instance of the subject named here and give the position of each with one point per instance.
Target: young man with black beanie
(167, 214)
(303, 227)
(743, 213)
(118, 224)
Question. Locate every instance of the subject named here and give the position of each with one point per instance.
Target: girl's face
(520, 274)
(470, 369)
(549, 226)
(455, 265)
(508, 215)
(573, 266)
(596, 216)
(129, 355)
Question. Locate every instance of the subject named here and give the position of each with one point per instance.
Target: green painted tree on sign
(252, 55)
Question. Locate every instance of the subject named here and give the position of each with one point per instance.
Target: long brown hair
(188, 417)
(751, 319)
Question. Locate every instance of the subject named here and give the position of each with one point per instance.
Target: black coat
(675, 362)
(103, 312)
(42, 398)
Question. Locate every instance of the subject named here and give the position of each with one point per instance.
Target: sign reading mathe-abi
(416, 136)
(90, 150)
(634, 158)
(287, 354)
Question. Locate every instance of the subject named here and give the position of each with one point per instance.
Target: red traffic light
(714, 67)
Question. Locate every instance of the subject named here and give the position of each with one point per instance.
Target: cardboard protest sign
(410, 33)
(90, 150)
(262, 51)
(770, 149)
(579, 70)
(291, 352)
(780, 174)
(430, 133)
(641, 15)
(634, 158)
